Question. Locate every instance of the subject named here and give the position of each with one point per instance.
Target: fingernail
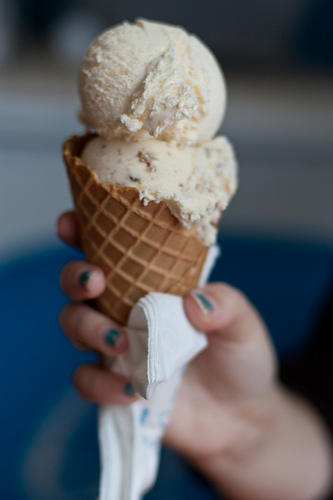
(128, 389)
(85, 277)
(203, 302)
(112, 337)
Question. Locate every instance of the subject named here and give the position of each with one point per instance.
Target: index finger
(68, 229)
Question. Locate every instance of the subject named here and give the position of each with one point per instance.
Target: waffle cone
(140, 248)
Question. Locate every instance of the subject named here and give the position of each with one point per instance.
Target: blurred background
(278, 63)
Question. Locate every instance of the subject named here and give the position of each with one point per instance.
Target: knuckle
(231, 296)
(63, 317)
(78, 380)
(66, 278)
(77, 317)
(83, 381)
(72, 320)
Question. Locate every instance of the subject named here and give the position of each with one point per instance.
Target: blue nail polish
(111, 337)
(203, 302)
(128, 389)
(84, 278)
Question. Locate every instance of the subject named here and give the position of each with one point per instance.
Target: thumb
(240, 352)
(223, 310)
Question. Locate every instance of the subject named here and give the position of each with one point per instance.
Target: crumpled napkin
(162, 342)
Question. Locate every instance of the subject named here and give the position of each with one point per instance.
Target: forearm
(292, 458)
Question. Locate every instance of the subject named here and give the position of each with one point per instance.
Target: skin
(248, 435)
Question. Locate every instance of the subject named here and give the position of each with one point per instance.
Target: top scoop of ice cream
(151, 79)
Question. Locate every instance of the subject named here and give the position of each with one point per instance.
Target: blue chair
(48, 442)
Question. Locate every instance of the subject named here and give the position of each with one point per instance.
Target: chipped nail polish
(112, 336)
(203, 302)
(128, 389)
(84, 278)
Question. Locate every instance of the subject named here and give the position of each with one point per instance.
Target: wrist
(282, 450)
(250, 425)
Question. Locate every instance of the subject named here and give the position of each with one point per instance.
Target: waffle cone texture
(140, 248)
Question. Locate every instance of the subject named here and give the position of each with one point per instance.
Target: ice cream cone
(141, 248)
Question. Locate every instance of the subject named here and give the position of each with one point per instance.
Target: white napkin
(162, 341)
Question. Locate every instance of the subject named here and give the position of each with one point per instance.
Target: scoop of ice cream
(151, 79)
(195, 182)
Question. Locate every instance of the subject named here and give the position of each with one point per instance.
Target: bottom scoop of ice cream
(196, 183)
